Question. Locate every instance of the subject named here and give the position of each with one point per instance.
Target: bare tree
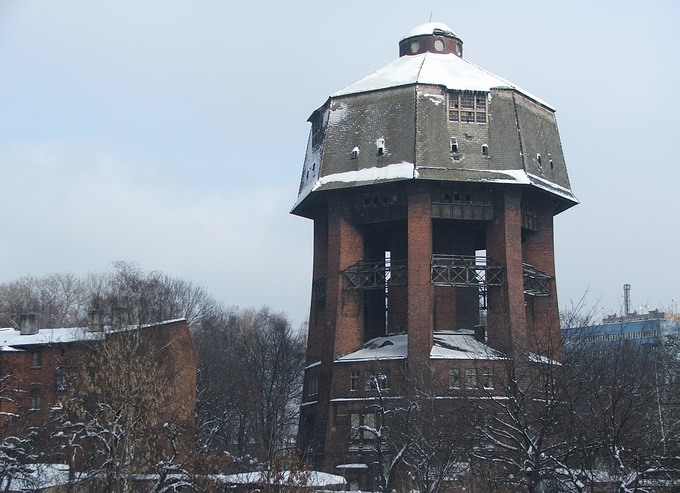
(61, 299)
(148, 296)
(251, 366)
(120, 415)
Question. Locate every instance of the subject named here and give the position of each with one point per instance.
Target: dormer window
(467, 106)
(317, 129)
(454, 144)
(380, 146)
(354, 154)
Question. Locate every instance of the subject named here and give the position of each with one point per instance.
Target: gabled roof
(446, 70)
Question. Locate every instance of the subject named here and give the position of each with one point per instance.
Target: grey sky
(173, 133)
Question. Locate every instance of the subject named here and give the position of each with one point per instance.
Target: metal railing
(536, 283)
(375, 274)
(465, 271)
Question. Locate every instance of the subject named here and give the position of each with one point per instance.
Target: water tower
(432, 185)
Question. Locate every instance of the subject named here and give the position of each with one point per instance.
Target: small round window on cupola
(433, 37)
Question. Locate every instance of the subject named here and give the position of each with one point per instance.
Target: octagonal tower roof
(432, 115)
(429, 65)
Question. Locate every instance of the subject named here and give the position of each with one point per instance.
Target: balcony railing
(375, 274)
(319, 289)
(465, 271)
(446, 270)
(536, 283)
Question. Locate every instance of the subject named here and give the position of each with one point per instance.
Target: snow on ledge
(390, 172)
(352, 466)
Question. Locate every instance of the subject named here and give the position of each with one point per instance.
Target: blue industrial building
(634, 330)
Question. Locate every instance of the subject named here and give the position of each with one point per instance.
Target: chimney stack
(28, 324)
(480, 333)
(119, 318)
(94, 321)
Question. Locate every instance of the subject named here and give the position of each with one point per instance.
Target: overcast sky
(172, 133)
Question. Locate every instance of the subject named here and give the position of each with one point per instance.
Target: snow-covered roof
(12, 340)
(387, 347)
(461, 344)
(454, 344)
(429, 28)
(447, 70)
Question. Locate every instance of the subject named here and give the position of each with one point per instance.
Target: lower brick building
(63, 387)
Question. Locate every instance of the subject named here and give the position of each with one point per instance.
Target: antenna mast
(626, 299)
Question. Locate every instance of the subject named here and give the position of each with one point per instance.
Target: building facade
(54, 382)
(432, 185)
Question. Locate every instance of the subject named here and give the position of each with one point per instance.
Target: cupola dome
(433, 37)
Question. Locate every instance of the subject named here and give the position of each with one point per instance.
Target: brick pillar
(420, 289)
(317, 310)
(506, 317)
(543, 312)
(344, 316)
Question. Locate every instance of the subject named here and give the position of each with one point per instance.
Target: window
(354, 154)
(539, 160)
(454, 378)
(471, 378)
(354, 380)
(487, 378)
(36, 359)
(317, 129)
(380, 146)
(454, 144)
(467, 107)
(60, 379)
(485, 150)
(363, 426)
(36, 400)
(374, 381)
(313, 386)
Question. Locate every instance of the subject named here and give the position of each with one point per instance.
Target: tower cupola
(433, 37)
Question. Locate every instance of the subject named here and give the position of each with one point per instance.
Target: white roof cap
(429, 28)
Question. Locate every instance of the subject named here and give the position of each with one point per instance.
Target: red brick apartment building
(43, 370)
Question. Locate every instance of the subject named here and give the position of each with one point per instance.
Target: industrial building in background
(432, 185)
(642, 328)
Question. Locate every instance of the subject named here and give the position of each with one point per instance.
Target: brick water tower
(432, 185)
